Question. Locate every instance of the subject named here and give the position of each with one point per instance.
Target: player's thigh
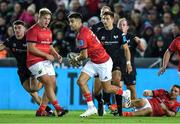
(53, 80)
(129, 79)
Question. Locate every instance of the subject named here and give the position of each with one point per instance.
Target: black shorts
(24, 74)
(129, 79)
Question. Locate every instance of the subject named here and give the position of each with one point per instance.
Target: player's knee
(80, 82)
(142, 103)
(107, 89)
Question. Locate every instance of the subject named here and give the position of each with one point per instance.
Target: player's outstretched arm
(128, 58)
(168, 112)
(166, 58)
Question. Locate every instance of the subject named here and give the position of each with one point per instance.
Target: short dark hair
(75, 15)
(175, 85)
(19, 22)
(108, 13)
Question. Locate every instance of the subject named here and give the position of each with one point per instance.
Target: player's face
(175, 92)
(19, 31)
(123, 26)
(107, 20)
(45, 20)
(74, 24)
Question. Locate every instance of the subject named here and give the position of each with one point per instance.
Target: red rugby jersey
(43, 39)
(175, 46)
(86, 39)
(162, 96)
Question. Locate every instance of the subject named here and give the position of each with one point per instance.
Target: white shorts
(42, 68)
(104, 70)
(148, 105)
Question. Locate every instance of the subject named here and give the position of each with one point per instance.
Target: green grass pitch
(21, 116)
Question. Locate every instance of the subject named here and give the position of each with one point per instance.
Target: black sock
(98, 97)
(48, 109)
(106, 97)
(119, 104)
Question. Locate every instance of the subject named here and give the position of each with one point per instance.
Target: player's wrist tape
(128, 62)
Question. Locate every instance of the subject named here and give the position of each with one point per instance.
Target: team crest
(80, 43)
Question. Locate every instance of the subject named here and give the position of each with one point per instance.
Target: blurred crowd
(156, 22)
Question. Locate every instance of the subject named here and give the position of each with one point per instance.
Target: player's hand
(147, 93)
(58, 57)
(74, 62)
(161, 71)
(163, 106)
(50, 57)
(129, 68)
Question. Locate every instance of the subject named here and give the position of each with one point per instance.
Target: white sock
(90, 104)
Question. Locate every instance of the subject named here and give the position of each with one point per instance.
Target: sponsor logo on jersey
(103, 38)
(115, 36)
(80, 43)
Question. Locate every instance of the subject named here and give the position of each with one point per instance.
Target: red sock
(119, 92)
(88, 97)
(56, 105)
(42, 108)
(127, 114)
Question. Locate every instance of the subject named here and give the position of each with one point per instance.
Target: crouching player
(162, 103)
(18, 47)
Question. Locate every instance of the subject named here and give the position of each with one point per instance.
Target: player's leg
(130, 82)
(40, 70)
(143, 112)
(116, 78)
(82, 82)
(132, 88)
(60, 110)
(142, 108)
(34, 94)
(87, 72)
(98, 96)
(104, 71)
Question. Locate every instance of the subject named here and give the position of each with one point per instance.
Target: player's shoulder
(117, 30)
(13, 38)
(33, 28)
(84, 31)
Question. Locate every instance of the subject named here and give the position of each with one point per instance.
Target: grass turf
(17, 116)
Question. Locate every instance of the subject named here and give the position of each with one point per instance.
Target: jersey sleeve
(31, 35)
(124, 39)
(81, 42)
(172, 46)
(158, 92)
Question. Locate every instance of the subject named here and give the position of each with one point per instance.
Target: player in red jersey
(100, 62)
(174, 47)
(162, 103)
(40, 54)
